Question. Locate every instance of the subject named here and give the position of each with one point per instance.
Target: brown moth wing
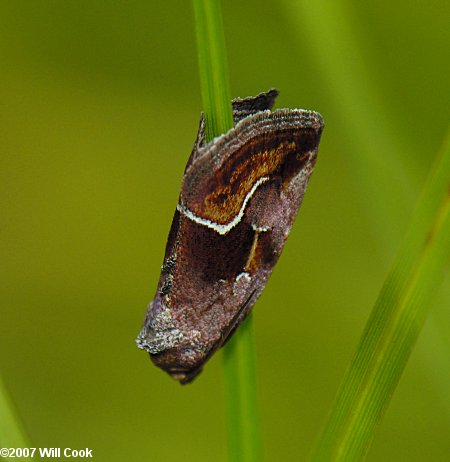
(242, 107)
(239, 198)
(216, 185)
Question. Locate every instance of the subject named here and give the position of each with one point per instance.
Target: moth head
(183, 376)
(169, 349)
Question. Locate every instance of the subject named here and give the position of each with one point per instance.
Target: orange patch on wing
(225, 201)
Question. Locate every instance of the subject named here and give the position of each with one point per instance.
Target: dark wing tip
(244, 107)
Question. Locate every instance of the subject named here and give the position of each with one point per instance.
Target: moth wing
(227, 171)
(242, 107)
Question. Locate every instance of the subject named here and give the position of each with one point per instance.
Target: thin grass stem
(394, 325)
(239, 354)
(12, 434)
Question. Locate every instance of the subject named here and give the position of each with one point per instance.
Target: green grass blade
(239, 354)
(12, 435)
(240, 373)
(394, 324)
(213, 68)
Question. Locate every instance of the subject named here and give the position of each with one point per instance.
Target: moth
(239, 197)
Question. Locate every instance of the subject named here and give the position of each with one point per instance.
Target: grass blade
(239, 354)
(12, 435)
(213, 68)
(240, 374)
(394, 324)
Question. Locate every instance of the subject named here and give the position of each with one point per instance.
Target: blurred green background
(99, 106)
